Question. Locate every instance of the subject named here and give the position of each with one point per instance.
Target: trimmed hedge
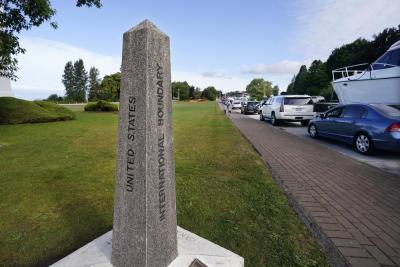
(15, 111)
(101, 106)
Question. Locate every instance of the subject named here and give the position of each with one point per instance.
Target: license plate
(298, 109)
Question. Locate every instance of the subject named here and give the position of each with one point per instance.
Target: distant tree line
(259, 88)
(316, 79)
(81, 86)
(184, 91)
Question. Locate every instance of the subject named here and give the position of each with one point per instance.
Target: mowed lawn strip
(57, 188)
(225, 193)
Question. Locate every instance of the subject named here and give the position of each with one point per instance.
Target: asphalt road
(384, 160)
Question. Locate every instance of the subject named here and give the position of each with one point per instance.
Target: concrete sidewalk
(352, 209)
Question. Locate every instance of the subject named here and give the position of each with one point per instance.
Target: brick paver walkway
(353, 209)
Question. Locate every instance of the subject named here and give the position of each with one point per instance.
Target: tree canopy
(316, 80)
(181, 90)
(209, 93)
(259, 88)
(95, 89)
(19, 15)
(111, 86)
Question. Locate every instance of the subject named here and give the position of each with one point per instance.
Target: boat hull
(381, 90)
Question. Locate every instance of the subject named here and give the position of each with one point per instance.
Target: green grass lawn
(57, 187)
(14, 111)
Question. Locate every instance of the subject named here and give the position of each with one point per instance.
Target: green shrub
(101, 106)
(14, 111)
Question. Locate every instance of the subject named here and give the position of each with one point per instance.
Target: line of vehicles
(367, 115)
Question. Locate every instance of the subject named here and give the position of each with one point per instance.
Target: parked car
(288, 108)
(366, 126)
(249, 107)
(236, 104)
(258, 108)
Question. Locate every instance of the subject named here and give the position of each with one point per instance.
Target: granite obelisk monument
(144, 231)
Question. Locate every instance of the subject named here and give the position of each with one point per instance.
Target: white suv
(236, 104)
(287, 108)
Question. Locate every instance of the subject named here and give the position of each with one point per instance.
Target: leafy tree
(191, 92)
(258, 88)
(55, 98)
(275, 90)
(290, 88)
(111, 86)
(381, 43)
(300, 83)
(209, 93)
(19, 15)
(95, 90)
(328, 92)
(197, 93)
(347, 55)
(317, 78)
(68, 80)
(180, 89)
(80, 81)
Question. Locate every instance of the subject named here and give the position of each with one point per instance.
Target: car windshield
(390, 110)
(252, 103)
(298, 101)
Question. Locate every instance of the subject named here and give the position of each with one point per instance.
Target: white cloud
(325, 25)
(215, 74)
(224, 84)
(41, 69)
(284, 67)
(42, 66)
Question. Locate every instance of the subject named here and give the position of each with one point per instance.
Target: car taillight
(281, 108)
(395, 127)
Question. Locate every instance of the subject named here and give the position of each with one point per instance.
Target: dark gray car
(249, 108)
(367, 127)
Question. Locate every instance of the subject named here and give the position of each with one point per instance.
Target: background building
(5, 87)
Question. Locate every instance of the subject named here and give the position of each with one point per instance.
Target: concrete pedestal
(190, 247)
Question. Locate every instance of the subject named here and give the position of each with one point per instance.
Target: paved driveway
(353, 209)
(384, 160)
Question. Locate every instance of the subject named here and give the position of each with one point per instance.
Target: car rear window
(390, 110)
(298, 101)
(252, 103)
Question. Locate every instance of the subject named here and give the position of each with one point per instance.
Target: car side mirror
(322, 116)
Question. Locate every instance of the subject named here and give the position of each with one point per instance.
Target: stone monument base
(193, 251)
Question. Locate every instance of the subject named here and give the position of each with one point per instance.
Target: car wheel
(262, 117)
(312, 131)
(363, 144)
(274, 121)
(304, 123)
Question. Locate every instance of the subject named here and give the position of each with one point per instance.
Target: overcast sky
(221, 43)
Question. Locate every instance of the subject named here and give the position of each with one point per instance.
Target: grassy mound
(14, 111)
(101, 106)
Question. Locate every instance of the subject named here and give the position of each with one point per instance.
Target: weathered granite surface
(144, 231)
(190, 247)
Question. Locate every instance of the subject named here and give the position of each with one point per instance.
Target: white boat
(378, 82)
(5, 87)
